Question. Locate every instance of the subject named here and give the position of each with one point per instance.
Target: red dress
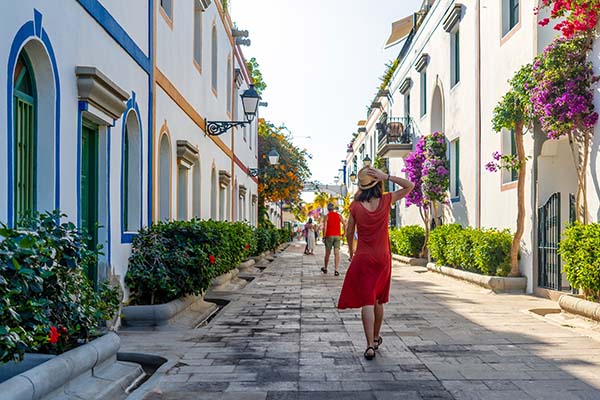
(370, 272)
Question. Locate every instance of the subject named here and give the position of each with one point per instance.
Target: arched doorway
(437, 110)
(556, 186)
(132, 174)
(33, 125)
(165, 178)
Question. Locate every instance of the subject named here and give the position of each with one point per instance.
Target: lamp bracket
(216, 128)
(253, 171)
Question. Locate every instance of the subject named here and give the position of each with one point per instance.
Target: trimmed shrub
(173, 259)
(47, 303)
(492, 251)
(483, 251)
(580, 253)
(407, 240)
(438, 242)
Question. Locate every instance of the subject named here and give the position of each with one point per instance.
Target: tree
(256, 75)
(513, 112)
(427, 168)
(562, 96)
(284, 181)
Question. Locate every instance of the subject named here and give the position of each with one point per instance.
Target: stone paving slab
(281, 337)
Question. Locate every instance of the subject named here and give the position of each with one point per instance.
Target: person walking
(309, 228)
(332, 233)
(367, 282)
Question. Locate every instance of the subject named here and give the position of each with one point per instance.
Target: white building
(105, 111)
(454, 62)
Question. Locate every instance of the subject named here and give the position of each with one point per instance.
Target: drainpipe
(478, 115)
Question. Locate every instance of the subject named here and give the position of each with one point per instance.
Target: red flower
(211, 259)
(246, 247)
(544, 22)
(63, 330)
(53, 335)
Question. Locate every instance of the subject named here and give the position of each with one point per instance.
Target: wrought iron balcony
(395, 137)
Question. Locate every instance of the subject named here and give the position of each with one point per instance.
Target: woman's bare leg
(378, 319)
(368, 320)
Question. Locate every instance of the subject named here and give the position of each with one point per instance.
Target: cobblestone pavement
(282, 338)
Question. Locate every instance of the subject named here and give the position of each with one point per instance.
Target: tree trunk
(424, 211)
(580, 160)
(516, 243)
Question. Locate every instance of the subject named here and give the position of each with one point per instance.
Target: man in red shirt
(332, 234)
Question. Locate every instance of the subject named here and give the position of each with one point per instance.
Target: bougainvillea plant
(562, 96)
(436, 174)
(427, 168)
(576, 16)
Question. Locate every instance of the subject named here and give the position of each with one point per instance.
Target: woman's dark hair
(368, 194)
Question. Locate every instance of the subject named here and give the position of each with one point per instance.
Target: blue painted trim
(108, 216)
(116, 31)
(30, 30)
(455, 199)
(150, 106)
(132, 106)
(81, 107)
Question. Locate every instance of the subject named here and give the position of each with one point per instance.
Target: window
(222, 202)
(455, 169)
(165, 179)
(131, 174)
(423, 93)
(24, 138)
(196, 188)
(167, 6)
(509, 147)
(407, 105)
(213, 194)
(182, 193)
(510, 15)
(455, 57)
(198, 35)
(214, 55)
(229, 88)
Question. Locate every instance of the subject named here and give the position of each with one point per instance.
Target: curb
(418, 262)
(61, 370)
(497, 284)
(576, 305)
(157, 314)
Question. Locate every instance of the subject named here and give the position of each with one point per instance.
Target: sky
(321, 60)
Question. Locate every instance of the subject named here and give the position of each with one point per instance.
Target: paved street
(281, 337)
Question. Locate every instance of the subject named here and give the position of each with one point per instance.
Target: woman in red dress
(367, 282)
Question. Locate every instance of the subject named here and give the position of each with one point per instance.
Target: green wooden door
(24, 140)
(89, 188)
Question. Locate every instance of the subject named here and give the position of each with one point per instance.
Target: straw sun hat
(366, 181)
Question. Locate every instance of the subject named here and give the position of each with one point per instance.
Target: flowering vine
(427, 168)
(576, 16)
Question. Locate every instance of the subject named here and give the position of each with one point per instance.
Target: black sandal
(370, 356)
(336, 273)
(378, 342)
(324, 270)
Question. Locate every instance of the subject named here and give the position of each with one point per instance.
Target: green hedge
(44, 288)
(173, 259)
(407, 240)
(580, 253)
(484, 251)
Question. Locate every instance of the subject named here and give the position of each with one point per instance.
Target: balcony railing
(395, 137)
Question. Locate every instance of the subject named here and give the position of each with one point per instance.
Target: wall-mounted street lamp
(250, 99)
(367, 161)
(273, 160)
(353, 177)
